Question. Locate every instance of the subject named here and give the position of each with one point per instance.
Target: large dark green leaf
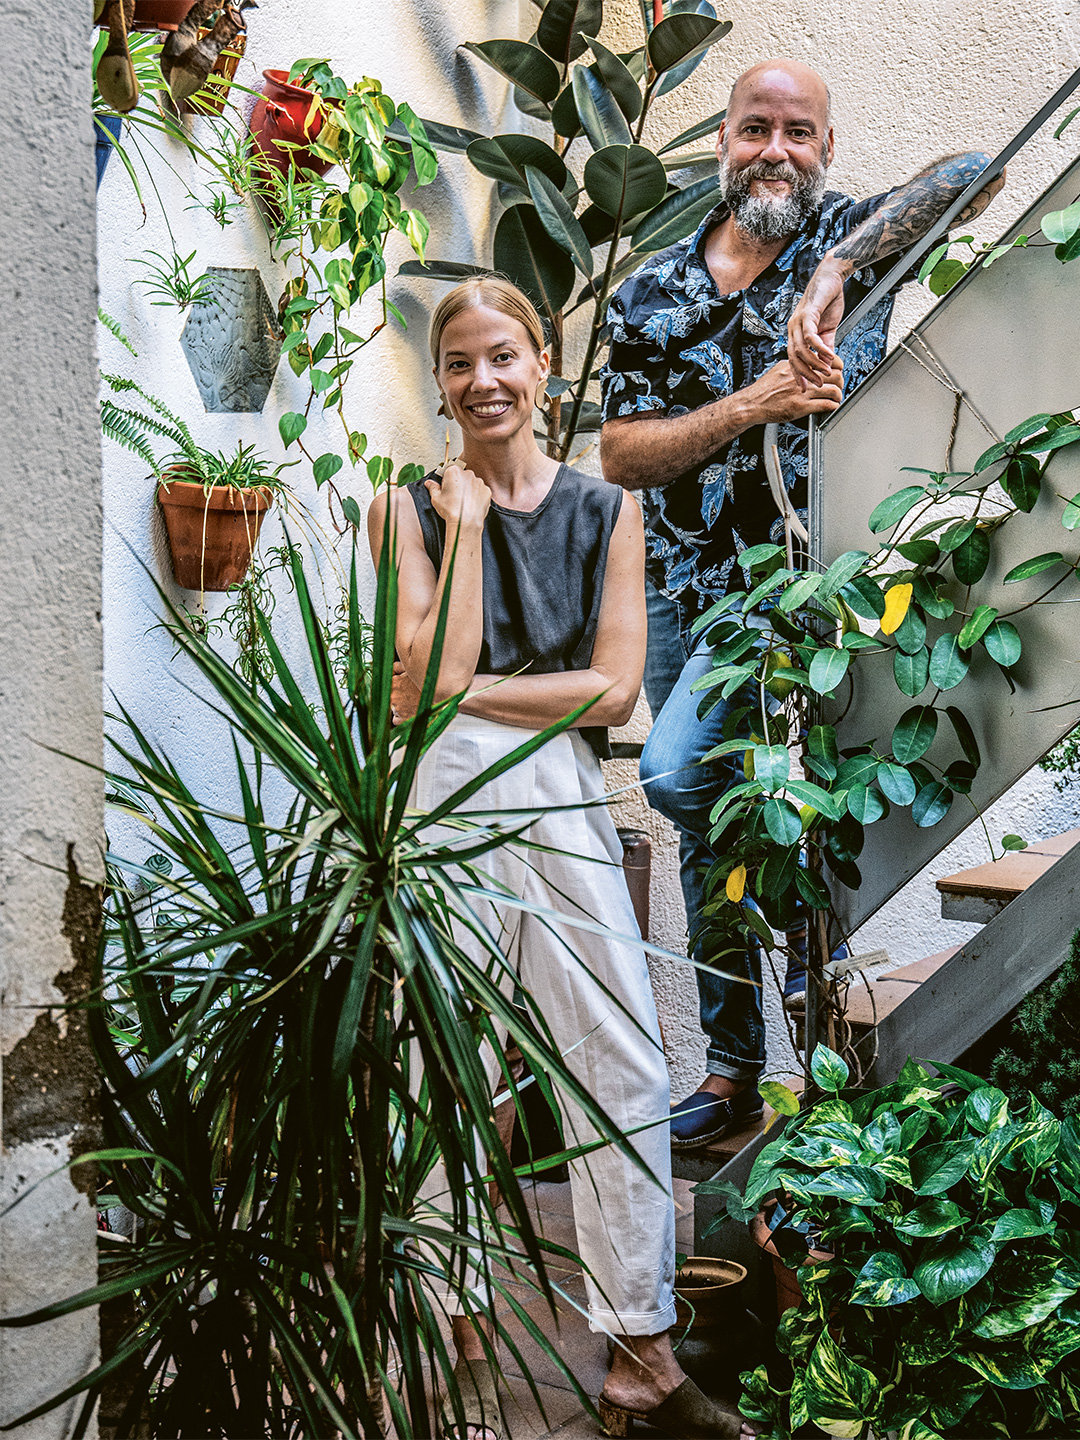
(936, 1168)
(840, 1394)
(1002, 641)
(680, 37)
(971, 558)
(933, 1217)
(887, 512)
(911, 635)
(883, 1281)
(678, 73)
(703, 127)
(559, 220)
(896, 783)
(950, 1267)
(520, 63)
(1022, 481)
(618, 79)
(452, 270)
(526, 254)
(564, 116)
(856, 1183)
(828, 668)
(965, 735)
(778, 872)
(914, 733)
(1007, 1369)
(865, 804)
(676, 216)
(601, 117)
(565, 26)
(911, 672)
(452, 138)
(948, 663)
(624, 180)
(931, 804)
(782, 821)
(506, 157)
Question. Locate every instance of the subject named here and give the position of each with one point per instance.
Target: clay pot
(707, 1291)
(281, 113)
(159, 14)
(788, 1293)
(212, 535)
(210, 99)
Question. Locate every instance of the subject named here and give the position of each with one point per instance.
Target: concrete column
(50, 696)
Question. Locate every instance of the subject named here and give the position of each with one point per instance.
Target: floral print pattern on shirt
(677, 344)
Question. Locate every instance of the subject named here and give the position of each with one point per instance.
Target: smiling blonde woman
(548, 592)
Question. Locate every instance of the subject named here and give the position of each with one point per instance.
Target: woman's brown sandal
(687, 1414)
(478, 1385)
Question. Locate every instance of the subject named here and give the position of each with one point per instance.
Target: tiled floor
(585, 1354)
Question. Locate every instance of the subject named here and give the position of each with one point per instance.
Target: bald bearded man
(711, 340)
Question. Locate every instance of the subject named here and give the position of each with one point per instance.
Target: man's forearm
(655, 450)
(909, 213)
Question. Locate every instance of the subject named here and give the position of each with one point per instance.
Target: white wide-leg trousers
(625, 1222)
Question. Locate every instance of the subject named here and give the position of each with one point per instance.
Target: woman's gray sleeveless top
(543, 577)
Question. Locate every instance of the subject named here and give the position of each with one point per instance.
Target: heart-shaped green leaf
(830, 1072)
(950, 1267)
(883, 1281)
(933, 1217)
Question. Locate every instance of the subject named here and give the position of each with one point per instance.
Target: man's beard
(762, 218)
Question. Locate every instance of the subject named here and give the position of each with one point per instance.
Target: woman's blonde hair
(493, 292)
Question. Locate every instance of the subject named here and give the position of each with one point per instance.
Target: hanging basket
(212, 534)
(281, 115)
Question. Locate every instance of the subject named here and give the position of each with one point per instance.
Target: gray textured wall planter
(232, 341)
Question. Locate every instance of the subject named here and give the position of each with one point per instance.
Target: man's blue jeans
(730, 1012)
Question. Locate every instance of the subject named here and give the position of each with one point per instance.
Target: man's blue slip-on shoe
(702, 1118)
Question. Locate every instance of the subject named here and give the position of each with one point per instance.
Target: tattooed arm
(905, 217)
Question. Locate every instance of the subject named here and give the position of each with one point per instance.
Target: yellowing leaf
(897, 601)
(736, 883)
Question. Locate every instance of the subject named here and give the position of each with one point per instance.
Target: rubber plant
(951, 1303)
(290, 1036)
(597, 103)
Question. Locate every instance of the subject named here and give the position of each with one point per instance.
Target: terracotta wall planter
(210, 100)
(211, 536)
(282, 114)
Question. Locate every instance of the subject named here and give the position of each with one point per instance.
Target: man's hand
(404, 696)
(814, 322)
(780, 394)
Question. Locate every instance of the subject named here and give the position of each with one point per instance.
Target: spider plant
(289, 1043)
(134, 428)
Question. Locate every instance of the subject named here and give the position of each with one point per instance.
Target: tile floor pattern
(586, 1353)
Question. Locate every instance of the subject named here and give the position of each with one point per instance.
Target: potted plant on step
(950, 1304)
(213, 503)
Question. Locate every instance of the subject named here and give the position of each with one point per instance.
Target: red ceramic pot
(281, 114)
(159, 14)
(212, 534)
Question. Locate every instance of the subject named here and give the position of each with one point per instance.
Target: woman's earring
(541, 395)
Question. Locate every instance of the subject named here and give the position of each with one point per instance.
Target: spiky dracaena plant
(289, 1043)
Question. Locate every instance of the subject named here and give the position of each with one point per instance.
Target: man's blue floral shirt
(677, 344)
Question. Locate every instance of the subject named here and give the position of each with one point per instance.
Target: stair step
(695, 1165)
(980, 893)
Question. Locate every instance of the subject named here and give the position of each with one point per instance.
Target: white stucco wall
(909, 83)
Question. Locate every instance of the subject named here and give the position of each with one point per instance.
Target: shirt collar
(694, 247)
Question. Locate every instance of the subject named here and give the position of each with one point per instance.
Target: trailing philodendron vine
(948, 1301)
(796, 635)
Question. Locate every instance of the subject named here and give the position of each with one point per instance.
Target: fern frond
(113, 327)
(121, 426)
